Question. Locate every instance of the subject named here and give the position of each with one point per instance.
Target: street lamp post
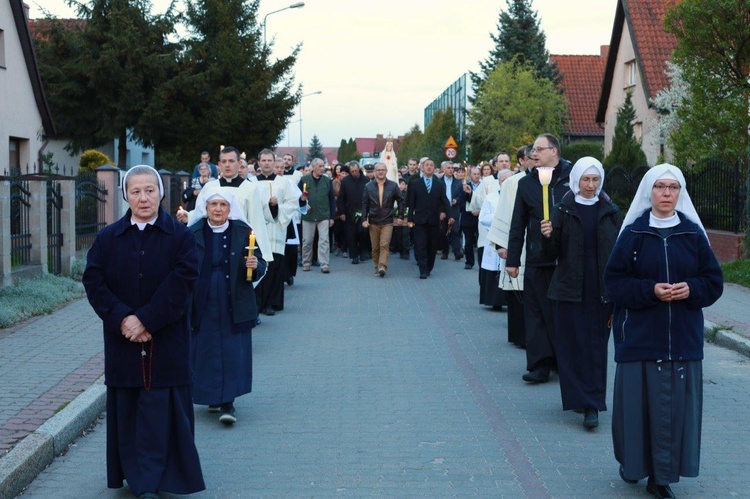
(300, 120)
(297, 5)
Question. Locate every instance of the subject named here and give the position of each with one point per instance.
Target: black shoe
(290, 280)
(536, 376)
(257, 321)
(149, 495)
(381, 272)
(269, 311)
(660, 491)
(469, 266)
(626, 480)
(459, 256)
(591, 419)
(214, 408)
(227, 414)
(423, 275)
(355, 260)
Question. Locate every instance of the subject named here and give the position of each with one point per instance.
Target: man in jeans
(317, 189)
(378, 203)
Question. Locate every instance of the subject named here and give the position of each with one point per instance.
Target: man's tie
(428, 181)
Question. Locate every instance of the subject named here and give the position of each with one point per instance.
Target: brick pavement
(404, 387)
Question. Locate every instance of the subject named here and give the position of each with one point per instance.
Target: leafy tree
(100, 78)
(578, 150)
(519, 38)
(626, 150)
(316, 149)
(355, 155)
(441, 127)
(411, 145)
(226, 90)
(92, 159)
(514, 106)
(347, 151)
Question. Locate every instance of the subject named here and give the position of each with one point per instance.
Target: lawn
(737, 272)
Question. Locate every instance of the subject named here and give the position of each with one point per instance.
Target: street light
(297, 5)
(300, 120)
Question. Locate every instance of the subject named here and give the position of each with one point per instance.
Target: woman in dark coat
(660, 275)
(224, 308)
(580, 236)
(139, 280)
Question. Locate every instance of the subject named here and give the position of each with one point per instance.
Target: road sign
(450, 143)
(450, 152)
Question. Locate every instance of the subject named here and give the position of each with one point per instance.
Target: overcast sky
(378, 68)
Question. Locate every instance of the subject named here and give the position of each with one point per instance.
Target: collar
(235, 182)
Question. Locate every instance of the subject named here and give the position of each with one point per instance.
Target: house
(331, 153)
(25, 119)
(374, 146)
(639, 51)
(64, 160)
(581, 84)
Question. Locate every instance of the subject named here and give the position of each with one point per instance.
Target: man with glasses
(380, 197)
(317, 189)
(528, 213)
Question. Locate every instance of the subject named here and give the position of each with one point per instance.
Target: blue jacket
(149, 274)
(644, 327)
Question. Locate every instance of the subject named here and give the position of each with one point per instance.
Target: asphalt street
(401, 387)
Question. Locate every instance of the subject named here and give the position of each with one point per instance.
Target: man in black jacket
(350, 204)
(449, 237)
(528, 213)
(381, 195)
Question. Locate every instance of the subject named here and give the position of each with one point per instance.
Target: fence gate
(20, 231)
(90, 205)
(54, 227)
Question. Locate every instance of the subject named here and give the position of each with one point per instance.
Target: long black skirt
(490, 294)
(657, 412)
(516, 320)
(150, 440)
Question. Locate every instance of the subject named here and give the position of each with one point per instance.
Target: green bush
(577, 150)
(93, 159)
(76, 271)
(39, 296)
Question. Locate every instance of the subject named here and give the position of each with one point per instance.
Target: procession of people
(180, 297)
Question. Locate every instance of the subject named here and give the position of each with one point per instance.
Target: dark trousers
(538, 315)
(290, 260)
(470, 242)
(450, 237)
(425, 246)
(400, 240)
(270, 291)
(356, 236)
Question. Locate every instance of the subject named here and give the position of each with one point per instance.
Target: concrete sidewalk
(393, 353)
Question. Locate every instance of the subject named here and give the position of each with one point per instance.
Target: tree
(519, 38)
(441, 127)
(347, 151)
(227, 90)
(100, 77)
(514, 106)
(411, 145)
(626, 150)
(316, 149)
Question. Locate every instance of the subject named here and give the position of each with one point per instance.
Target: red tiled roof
(376, 145)
(365, 145)
(582, 83)
(40, 27)
(331, 153)
(653, 46)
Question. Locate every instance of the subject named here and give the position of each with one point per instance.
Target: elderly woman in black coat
(139, 280)
(224, 309)
(581, 235)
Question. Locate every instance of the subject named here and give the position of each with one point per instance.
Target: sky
(379, 64)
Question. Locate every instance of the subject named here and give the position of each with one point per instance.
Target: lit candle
(545, 178)
(250, 252)
(184, 185)
(270, 189)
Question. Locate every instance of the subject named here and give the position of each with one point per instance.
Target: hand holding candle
(250, 252)
(545, 178)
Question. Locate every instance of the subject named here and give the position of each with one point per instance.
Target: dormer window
(631, 73)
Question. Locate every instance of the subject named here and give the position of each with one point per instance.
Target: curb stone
(20, 466)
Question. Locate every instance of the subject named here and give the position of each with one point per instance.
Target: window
(638, 130)
(2, 49)
(630, 73)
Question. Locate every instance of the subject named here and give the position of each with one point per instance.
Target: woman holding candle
(580, 236)
(661, 274)
(223, 310)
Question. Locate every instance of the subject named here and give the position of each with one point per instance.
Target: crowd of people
(179, 297)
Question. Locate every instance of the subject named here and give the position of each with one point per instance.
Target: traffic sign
(450, 152)
(450, 143)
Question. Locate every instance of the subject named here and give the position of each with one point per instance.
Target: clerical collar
(235, 182)
(260, 176)
(217, 229)
(142, 225)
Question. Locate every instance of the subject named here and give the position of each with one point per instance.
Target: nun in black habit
(139, 280)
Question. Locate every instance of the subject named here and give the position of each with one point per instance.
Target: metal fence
(54, 227)
(90, 205)
(717, 188)
(20, 227)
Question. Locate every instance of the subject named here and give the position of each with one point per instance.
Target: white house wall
(19, 115)
(646, 116)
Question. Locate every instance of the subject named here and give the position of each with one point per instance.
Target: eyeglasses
(672, 188)
(540, 149)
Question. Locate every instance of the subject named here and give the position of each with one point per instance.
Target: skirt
(656, 419)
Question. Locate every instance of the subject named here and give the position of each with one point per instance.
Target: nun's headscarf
(215, 191)
(141, 170)
(642, 200)
(586, 166)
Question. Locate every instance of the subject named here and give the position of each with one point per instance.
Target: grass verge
(32, 297)
(737, 272)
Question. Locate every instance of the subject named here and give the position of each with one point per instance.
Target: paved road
(406, 387)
